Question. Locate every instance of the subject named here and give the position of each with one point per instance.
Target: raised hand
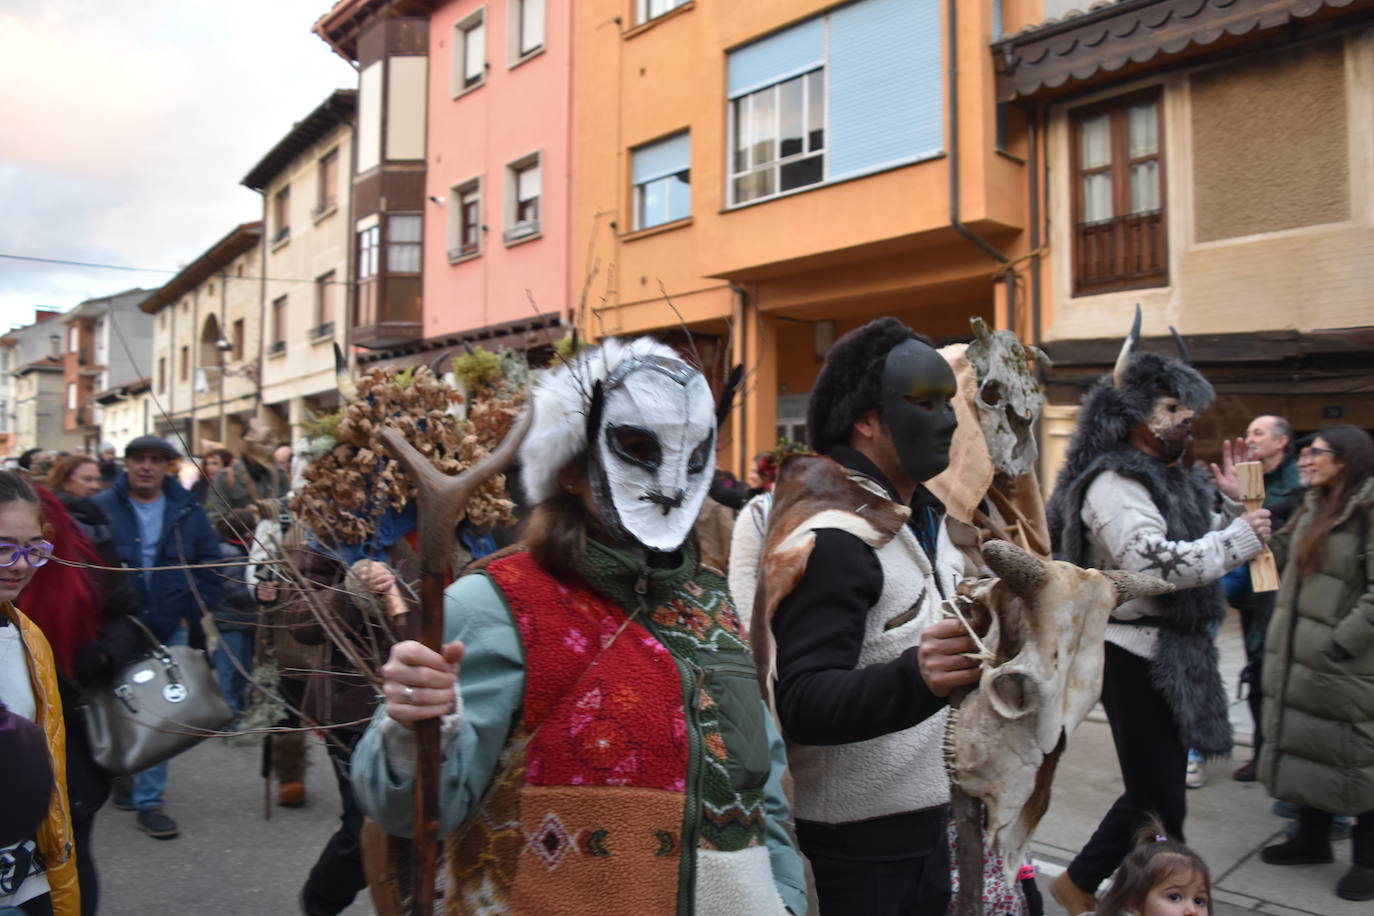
(1225, 476)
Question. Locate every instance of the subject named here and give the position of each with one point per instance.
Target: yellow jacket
(55, 839)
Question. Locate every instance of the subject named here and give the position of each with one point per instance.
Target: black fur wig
(851, 380)
(1108, 413)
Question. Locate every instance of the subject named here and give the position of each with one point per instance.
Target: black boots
(1358, 883)
(1311, 846)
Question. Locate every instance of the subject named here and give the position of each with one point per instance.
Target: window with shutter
(1120, 234)
(662, 181)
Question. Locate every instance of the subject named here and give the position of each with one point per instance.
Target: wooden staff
(442, 502)
(967, 812)
(1264, 573)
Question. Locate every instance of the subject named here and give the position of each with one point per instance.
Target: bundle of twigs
(353, 480)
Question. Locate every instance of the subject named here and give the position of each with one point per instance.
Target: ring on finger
(408, 695)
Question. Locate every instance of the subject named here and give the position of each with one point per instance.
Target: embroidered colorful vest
(633, 779)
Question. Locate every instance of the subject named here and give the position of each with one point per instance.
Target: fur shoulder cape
(812, 492)
(1185, 668)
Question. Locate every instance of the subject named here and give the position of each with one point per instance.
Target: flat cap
(155, 444)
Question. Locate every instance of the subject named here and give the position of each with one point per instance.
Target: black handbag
(157, 706)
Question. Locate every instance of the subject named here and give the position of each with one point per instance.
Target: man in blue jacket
(158, 523)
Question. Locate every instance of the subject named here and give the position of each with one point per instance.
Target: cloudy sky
(126, 126)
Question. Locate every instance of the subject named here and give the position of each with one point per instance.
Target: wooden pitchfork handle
(442, 502)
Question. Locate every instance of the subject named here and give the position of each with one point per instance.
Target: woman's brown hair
(1355, 451)
(556, 533)
(1154, 859)
(225, 456)
(65, 467)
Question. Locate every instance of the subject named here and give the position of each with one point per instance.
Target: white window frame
(644, 9)
(639, 221)
(398, 249)
(369, 242)
(73, 338)
(775, 164)
(71, 395)
(523, 230)
(459, 196)
(459, 73)
(517, 17)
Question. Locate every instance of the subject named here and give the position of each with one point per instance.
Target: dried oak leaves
(354, 482)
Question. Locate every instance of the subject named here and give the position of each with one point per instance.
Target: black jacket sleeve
(822, 696)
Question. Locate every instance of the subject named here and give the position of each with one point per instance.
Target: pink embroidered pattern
(603, 710)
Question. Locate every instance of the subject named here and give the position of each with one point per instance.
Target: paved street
(229, 860)
(1228, 821)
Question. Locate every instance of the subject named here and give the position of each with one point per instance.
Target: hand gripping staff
(442, 502)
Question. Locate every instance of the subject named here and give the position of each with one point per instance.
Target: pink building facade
(497, 253)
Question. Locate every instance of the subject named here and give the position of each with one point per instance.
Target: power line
(150, 270)
(141, 270)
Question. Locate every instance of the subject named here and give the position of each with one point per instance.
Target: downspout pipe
(741, 447)
(952, 90)
(1033, 115)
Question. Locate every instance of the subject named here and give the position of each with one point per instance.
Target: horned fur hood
(1109, 412)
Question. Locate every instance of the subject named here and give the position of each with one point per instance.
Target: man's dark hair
(26, 459)
(850, 383)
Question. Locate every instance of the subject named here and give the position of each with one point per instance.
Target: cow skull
(1009, 396)
(1040, 629)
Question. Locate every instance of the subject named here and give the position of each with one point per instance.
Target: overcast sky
(126, 126)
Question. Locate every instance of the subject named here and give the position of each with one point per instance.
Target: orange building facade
(784, 171)
(765, 176)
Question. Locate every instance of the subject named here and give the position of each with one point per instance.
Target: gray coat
(1319, 666)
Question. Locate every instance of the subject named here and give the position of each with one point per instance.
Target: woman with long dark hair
(1319, 661)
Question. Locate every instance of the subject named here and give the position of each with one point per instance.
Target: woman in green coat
(1319, 661)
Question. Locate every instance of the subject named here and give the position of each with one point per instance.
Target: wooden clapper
(1264, 573)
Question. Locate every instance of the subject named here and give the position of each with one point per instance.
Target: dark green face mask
(918, 390)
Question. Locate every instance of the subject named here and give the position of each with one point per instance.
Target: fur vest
(902, 771)
(1185, 668)
(894, 773)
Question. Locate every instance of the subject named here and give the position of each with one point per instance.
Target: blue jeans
(234, 664)
(151, 784)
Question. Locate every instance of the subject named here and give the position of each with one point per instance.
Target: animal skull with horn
(1040, 628)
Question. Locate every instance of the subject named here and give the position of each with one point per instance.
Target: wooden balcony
(387, 312)
(1128, 252)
